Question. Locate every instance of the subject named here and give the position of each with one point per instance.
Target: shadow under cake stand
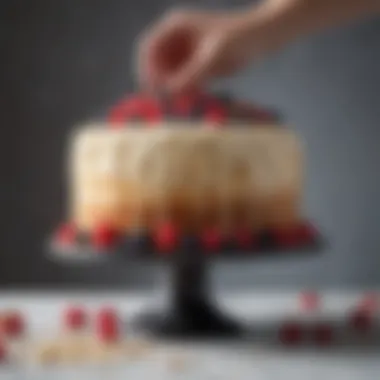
(192, 311)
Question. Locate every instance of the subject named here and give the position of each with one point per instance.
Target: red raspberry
(263, 115)
(286, 237)
(291, 333)
(211, 239)
(244, 237)
(323, 334)
(107, 325)
(166, 237)
(3, 352)
(215, 114)
(75, 318)
(305, 233)
(13, 324)
(104, 236)
(152, 111)
(66, 234)
(183, 105)
(138, 106)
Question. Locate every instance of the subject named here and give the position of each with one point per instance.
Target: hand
(186, 49)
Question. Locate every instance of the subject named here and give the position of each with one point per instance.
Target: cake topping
(104, 236)
(66, 234)
(244, 237)
(166, 237)
(212, 239)
(140, 107)
(211, 109)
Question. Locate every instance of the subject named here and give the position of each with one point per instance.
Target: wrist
(269, 25)
(299, 17)
(274, 17)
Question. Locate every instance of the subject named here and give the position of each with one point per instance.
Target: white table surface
(202, 361)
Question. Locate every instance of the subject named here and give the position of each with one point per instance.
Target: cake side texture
(194, 177)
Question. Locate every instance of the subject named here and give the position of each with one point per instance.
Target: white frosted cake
(193, 177)
(159, 174)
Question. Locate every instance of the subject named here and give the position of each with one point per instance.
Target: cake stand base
(201, 320)
(192, 313)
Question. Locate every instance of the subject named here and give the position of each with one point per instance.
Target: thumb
(197, 69)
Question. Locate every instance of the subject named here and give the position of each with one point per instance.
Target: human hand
(186, 49)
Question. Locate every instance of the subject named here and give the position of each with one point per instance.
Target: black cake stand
(192, 312)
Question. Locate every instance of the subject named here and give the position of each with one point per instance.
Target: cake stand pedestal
(192, 312)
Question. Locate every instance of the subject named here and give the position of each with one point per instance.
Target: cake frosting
(184, 173)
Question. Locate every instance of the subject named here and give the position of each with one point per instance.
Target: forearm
(314, 15)
(294, 18)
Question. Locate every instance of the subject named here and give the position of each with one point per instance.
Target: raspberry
(244, 238)
(3, 352)
(104, 236)
(13, 325)
(166, 237)
(75, 318)
(286, 237)
(107, 325)
(66, 234)
(211, 239)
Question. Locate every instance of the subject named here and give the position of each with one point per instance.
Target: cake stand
(192, 312)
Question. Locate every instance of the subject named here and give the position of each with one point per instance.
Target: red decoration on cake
(262, 115)
(322, 334)
(291, 237)
(211, 239)
(3, 352)
(184, 104)
(107, 325)
(291, 333)
(13, 324)
(305, 233)
(166, 237)
(244, 238)
(140, 106)
(285, 237)
(66, 234)
(104, 236)
(75, 318)
(215, 113)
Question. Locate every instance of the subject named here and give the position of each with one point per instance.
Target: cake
(195, 178)
(197, 167)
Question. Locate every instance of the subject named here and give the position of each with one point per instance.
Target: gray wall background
(66, 61)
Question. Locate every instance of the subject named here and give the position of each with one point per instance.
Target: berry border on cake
(166, 241)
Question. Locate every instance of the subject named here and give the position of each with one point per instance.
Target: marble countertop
(234, 361)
